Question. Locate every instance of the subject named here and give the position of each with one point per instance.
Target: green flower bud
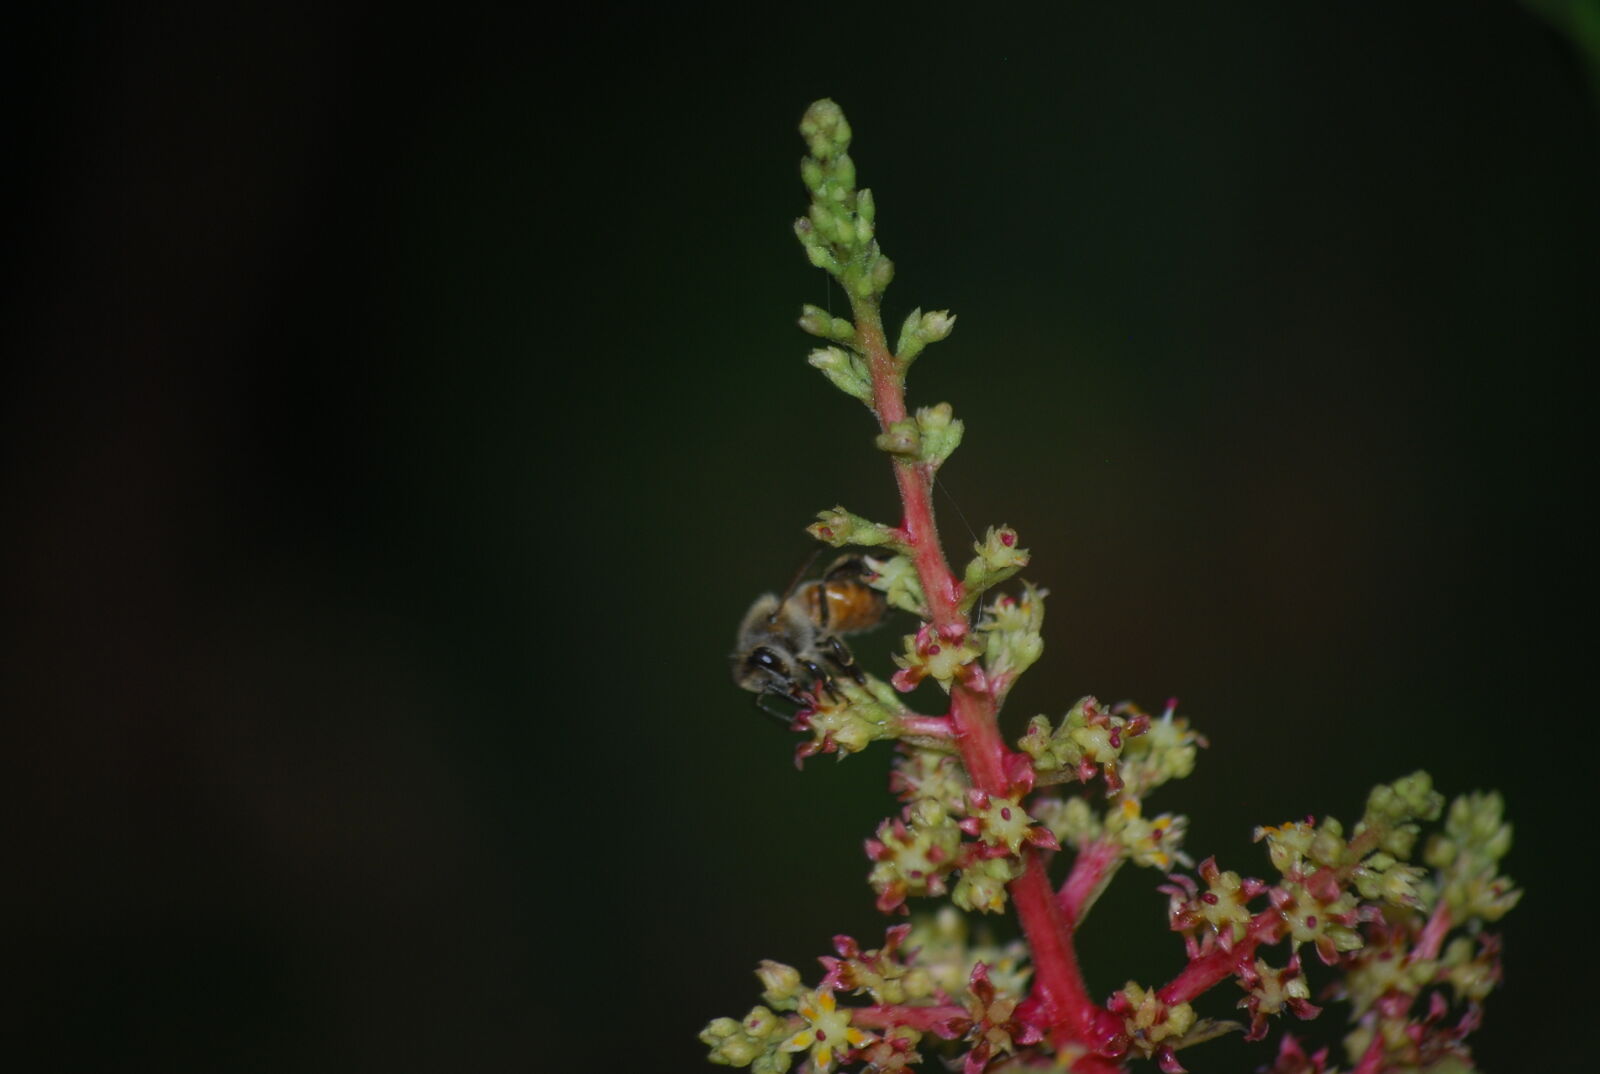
(1166, 751)
(845, 369)
(839, 527)
(882, 273)
(811, 174)
(844, 171)
(1150, 1023)
(819, 322)
(852, 724)
(825, 129)
(901, 438)
(822, 220)
(1012, 628)
(780, 983)
(898, 580)
(844, 230)
(919, 329)
(1409, 798)
(982, 886)
(751, 1043)
(822, 259)
(867, 206)
(909, 343)
(999, 557)
(940, 433)
(936, 326)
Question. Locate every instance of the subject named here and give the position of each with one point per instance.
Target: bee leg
(785, 718)
(841, 656)
(850, 566)
(822, 678)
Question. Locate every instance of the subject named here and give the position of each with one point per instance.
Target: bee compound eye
(763, 657)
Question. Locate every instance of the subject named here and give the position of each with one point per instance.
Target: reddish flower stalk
(1058, 982)
(1372, 1059)
(1089, 870)
(1218, 964)
(941, 1021)
(927, 726)
(1433, 933)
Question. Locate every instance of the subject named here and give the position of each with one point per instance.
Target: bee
(790, 645)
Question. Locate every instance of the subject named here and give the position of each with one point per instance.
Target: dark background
(403, 410)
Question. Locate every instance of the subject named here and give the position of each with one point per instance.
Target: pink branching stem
(1372, 1058)
(1433, 933)
(927, 726)
(1089, 870)
(1218, 964)
(1058, 983)
(925, 1019)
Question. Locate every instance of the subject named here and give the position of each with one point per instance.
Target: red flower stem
(1061, 990)
(1058, 982)
(1433, 933)
(1089, 871)
(1218, 964)
(925, 1019)
(927, 726)
(1372, 1059)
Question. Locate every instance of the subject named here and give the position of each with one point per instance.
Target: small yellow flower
(827, 1028)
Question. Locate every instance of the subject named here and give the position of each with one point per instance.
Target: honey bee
(788, 645)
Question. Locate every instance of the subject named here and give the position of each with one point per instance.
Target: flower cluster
(1043, 827)
(1089, 741)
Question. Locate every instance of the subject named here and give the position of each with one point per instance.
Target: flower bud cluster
(1003, 825)
(940, 654)
(994, 1030)
(982, 884)
(819, 322)
(1467, 855)
(845, 369)
(913, 854)
(923, 773)
(1272, 991)
(1393, 810)
(921, 329)
(1154, 1029)
(1013, 641)
(920, 969)
(946, 950)
(838, 527)
(1318, 911)
(896, 577)
(999, 556)
(1314, 901)
(754, 1041)
(893, 1050)
(918, 852)
(1165, 751)
(928, 438)
(1090, 739)
(826, 1033)
(1152, 842)
(1219, 916)
(846, 717)
(882, 974)
(838, 231)
(1392, 987)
